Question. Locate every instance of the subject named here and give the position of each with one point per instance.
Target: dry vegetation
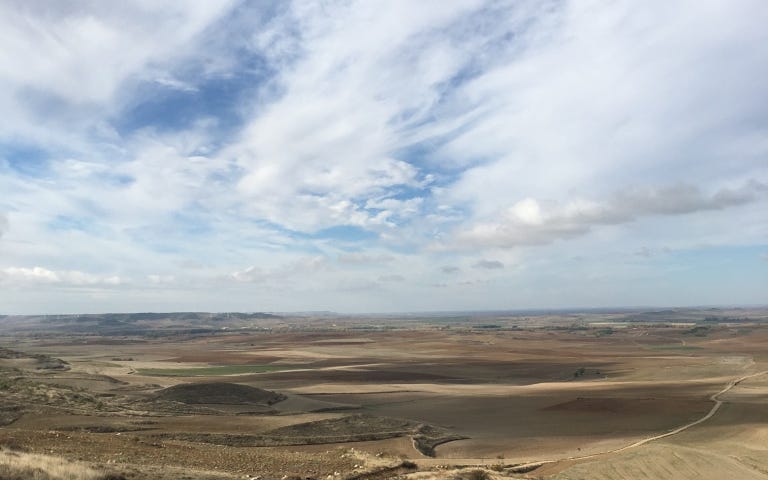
(550, 396)
(22, 466)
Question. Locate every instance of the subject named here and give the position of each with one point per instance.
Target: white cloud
(391, 278)
(357, 258)
(357, 285)
(16, 276)
(249, 274)
(602, 96)
(157, 279)
(450, 131)
(299, 268)
(82, 52)
(322, 153)
(395, 208)
(62, 66)
(527, 223)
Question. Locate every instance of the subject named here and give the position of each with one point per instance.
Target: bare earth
(593, 396)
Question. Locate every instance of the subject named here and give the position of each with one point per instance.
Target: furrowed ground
(568, 396)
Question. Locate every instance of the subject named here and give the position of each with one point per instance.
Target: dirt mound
(39, 361)
(220, 393)
(351, 425)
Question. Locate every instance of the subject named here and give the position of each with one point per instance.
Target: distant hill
(136, 323)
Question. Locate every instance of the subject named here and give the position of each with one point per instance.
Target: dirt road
(485, 461)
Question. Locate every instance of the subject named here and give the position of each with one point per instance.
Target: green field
(214, 371)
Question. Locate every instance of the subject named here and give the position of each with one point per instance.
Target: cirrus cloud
(293, 152)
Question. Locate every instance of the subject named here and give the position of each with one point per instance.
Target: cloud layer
(226, 155)
(527, 223)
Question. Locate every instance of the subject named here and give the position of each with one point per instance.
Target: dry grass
(458, 474)
(30, 466)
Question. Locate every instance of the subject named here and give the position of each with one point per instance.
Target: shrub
(472, 475)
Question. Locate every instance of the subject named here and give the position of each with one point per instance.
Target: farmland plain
(627, 394)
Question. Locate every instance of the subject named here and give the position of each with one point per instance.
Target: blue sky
(364, 156)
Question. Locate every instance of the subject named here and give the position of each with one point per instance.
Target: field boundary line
(715, 397)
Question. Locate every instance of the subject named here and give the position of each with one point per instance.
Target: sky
(382, 156)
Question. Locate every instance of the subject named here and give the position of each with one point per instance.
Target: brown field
(561, 396)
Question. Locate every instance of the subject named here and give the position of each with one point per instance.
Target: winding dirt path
(715, 397)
